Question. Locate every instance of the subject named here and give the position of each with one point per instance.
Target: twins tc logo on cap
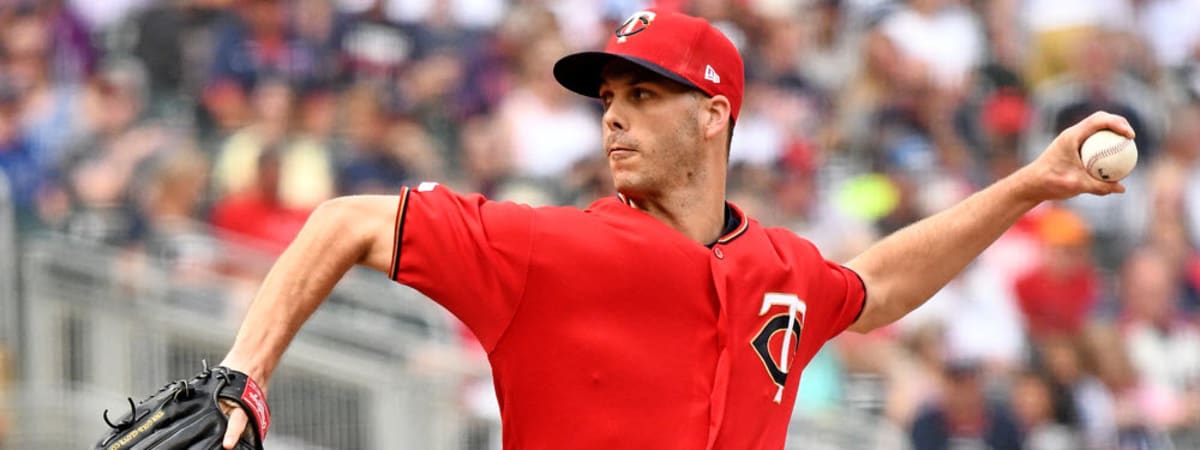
(686, 49)
(635, 24)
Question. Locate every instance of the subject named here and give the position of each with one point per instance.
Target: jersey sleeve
(466, 253)
(845, 300)
(837, 294)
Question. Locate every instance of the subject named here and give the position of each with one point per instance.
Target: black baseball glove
(187, 415)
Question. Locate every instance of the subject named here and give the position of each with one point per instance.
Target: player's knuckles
(1084, 127)
(1097, 121)
(1100, 116)
(1115, 122)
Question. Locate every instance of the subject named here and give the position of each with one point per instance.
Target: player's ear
(714, 116)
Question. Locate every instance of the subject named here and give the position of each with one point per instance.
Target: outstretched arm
(341, 233)
(906, 268)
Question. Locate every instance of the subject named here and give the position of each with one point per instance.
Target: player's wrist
(1025, 188)
(256, 372)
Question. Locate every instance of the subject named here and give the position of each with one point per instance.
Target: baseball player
(662, 317)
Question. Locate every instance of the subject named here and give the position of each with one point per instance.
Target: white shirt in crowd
(546, 140)
(978, 312)
(1047, 15)
(1172, 29)
(1170, 360)
(949, 42)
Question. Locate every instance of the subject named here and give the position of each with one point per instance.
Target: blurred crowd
(176, 128)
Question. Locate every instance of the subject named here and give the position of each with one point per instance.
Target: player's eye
(606, 99)
(642, 94)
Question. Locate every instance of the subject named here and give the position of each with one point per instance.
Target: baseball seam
(1114, 149)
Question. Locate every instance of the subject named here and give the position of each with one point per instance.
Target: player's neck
(698, 215)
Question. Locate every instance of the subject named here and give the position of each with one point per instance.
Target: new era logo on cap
(710, 74)
(670, 44)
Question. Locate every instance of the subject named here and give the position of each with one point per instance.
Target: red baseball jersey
(606, 328)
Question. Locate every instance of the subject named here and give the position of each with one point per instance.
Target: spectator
(1057, 297)
(1032, 399)
(273, 103)
(486, 163)
(1084, 399)
(308, 175)
(175, 240)
(161, 32)
(1164, 348)
(370, 166)
(314, 23)
(430, 98)
(17, 164)
(1183, 146)
(489, 72)
(1059, 27)
(1142, 412)
(103, 17)
(103, 164)
(75, 58)
(372, 46)
(876, 85)
(964, 417)
(915, 375)
(311, 173)
(1162, 210)
(942, 37)
(547, 128)
(831, 54)
(979, 316)
(470, 14)
(257, 216)
(588, 181)
(257, 43)
(781, 112)
(1171, 28)
(48, 107)
(226, 110)
(417, 149)
(113, 106)
(1097, 82)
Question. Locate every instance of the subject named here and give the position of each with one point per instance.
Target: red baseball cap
(683, 48)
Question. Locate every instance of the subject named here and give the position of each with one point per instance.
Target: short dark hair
(729, 140)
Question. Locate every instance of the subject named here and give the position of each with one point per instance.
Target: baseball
(1108, 156)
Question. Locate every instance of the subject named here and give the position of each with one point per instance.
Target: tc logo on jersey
(634, 24)
(790, 324)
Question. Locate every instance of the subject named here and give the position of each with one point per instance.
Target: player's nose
(614, 119)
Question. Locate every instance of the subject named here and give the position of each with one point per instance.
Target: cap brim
(581, 72)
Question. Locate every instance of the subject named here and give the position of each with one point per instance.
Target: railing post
(10, 301)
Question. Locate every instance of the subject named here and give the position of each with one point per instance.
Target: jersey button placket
(719, 254)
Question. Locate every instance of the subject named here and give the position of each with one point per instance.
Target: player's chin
(622, 169)
(626, 181)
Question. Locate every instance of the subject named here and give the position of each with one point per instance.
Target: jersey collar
(735, 221)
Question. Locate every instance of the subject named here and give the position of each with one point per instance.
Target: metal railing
(100, 328)
(9, 301)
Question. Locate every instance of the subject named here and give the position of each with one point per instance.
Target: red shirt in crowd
(1057, 304)
(258, 221)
